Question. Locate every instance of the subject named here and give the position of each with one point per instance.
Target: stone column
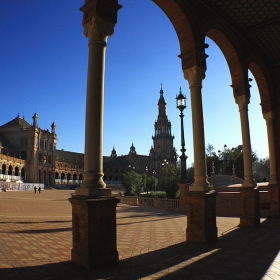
(201, 199)
(97, 31)
(273, 187)
(93, 208)
(242, 101)
(270, 136)
(195, 75)
(249, 193)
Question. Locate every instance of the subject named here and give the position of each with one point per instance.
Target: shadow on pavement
(244, 253)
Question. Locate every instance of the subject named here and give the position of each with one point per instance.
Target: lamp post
(181, 105)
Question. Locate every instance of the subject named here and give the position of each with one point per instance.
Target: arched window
(10, 172)
(16, 171)
(23, 173)
(3, 168)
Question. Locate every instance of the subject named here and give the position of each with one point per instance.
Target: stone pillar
(93, 208)
(249, 193)
(270, 137)
(201, 199)
(273, 187)
(195, 75)
(201, 217)
(249, 207)
(94, 231)
(243, 101)
(97, 31)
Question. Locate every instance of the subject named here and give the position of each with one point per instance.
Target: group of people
(39, 189)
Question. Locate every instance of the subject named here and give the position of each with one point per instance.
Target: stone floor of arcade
(36, 240)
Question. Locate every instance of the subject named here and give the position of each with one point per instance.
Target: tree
(170, 179)
(225, 159)
(132, 183)
(151, 183)
(143, 183)
(261, 170)
(190, 174)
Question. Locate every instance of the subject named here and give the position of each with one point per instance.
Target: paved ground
(35, 243)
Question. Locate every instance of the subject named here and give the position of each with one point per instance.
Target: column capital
(240, 88)
(98, 30)
(242, 101)
(268, 116)
(194, 75)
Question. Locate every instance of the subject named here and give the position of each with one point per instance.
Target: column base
(249, 207)
(201, 217)
(94, 231)
(96, 192)
(274, 200)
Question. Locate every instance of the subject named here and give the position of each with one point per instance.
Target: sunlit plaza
(36, 242)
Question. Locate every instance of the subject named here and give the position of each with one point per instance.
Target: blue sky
(43, 68)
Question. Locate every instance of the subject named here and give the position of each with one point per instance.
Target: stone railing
(13, 186)
(146, 201)
(162, 203)
(170, 204)
(10, 177)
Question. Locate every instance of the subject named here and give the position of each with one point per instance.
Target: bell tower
(162, 150)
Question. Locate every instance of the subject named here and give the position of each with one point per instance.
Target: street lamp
(181, 105)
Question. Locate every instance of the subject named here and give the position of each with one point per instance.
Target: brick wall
(228, 204)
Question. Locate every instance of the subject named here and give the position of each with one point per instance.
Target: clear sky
(43, 69)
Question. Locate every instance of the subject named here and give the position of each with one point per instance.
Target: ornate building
(29, 153)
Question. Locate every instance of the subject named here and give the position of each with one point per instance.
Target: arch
(75, 176)
(62, 176)
(3, 168)
(22, 173)
(263, 87)
(50, 178)
(81, 177)
(40, 175)
(188, 40)
(68, 176)
(16, 171)
(10, 170)
(56, 175)
(238, 71)
(45, 178)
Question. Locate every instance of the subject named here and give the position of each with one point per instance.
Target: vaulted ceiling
(257, 21)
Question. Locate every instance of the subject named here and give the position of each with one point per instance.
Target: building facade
(29, 153)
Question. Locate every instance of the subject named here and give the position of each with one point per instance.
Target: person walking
(35, 189)
(39, 190)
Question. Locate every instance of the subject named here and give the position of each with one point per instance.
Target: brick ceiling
(257, 21)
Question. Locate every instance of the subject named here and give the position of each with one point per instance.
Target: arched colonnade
(191, 28)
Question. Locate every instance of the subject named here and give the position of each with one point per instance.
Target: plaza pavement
(35, 243)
